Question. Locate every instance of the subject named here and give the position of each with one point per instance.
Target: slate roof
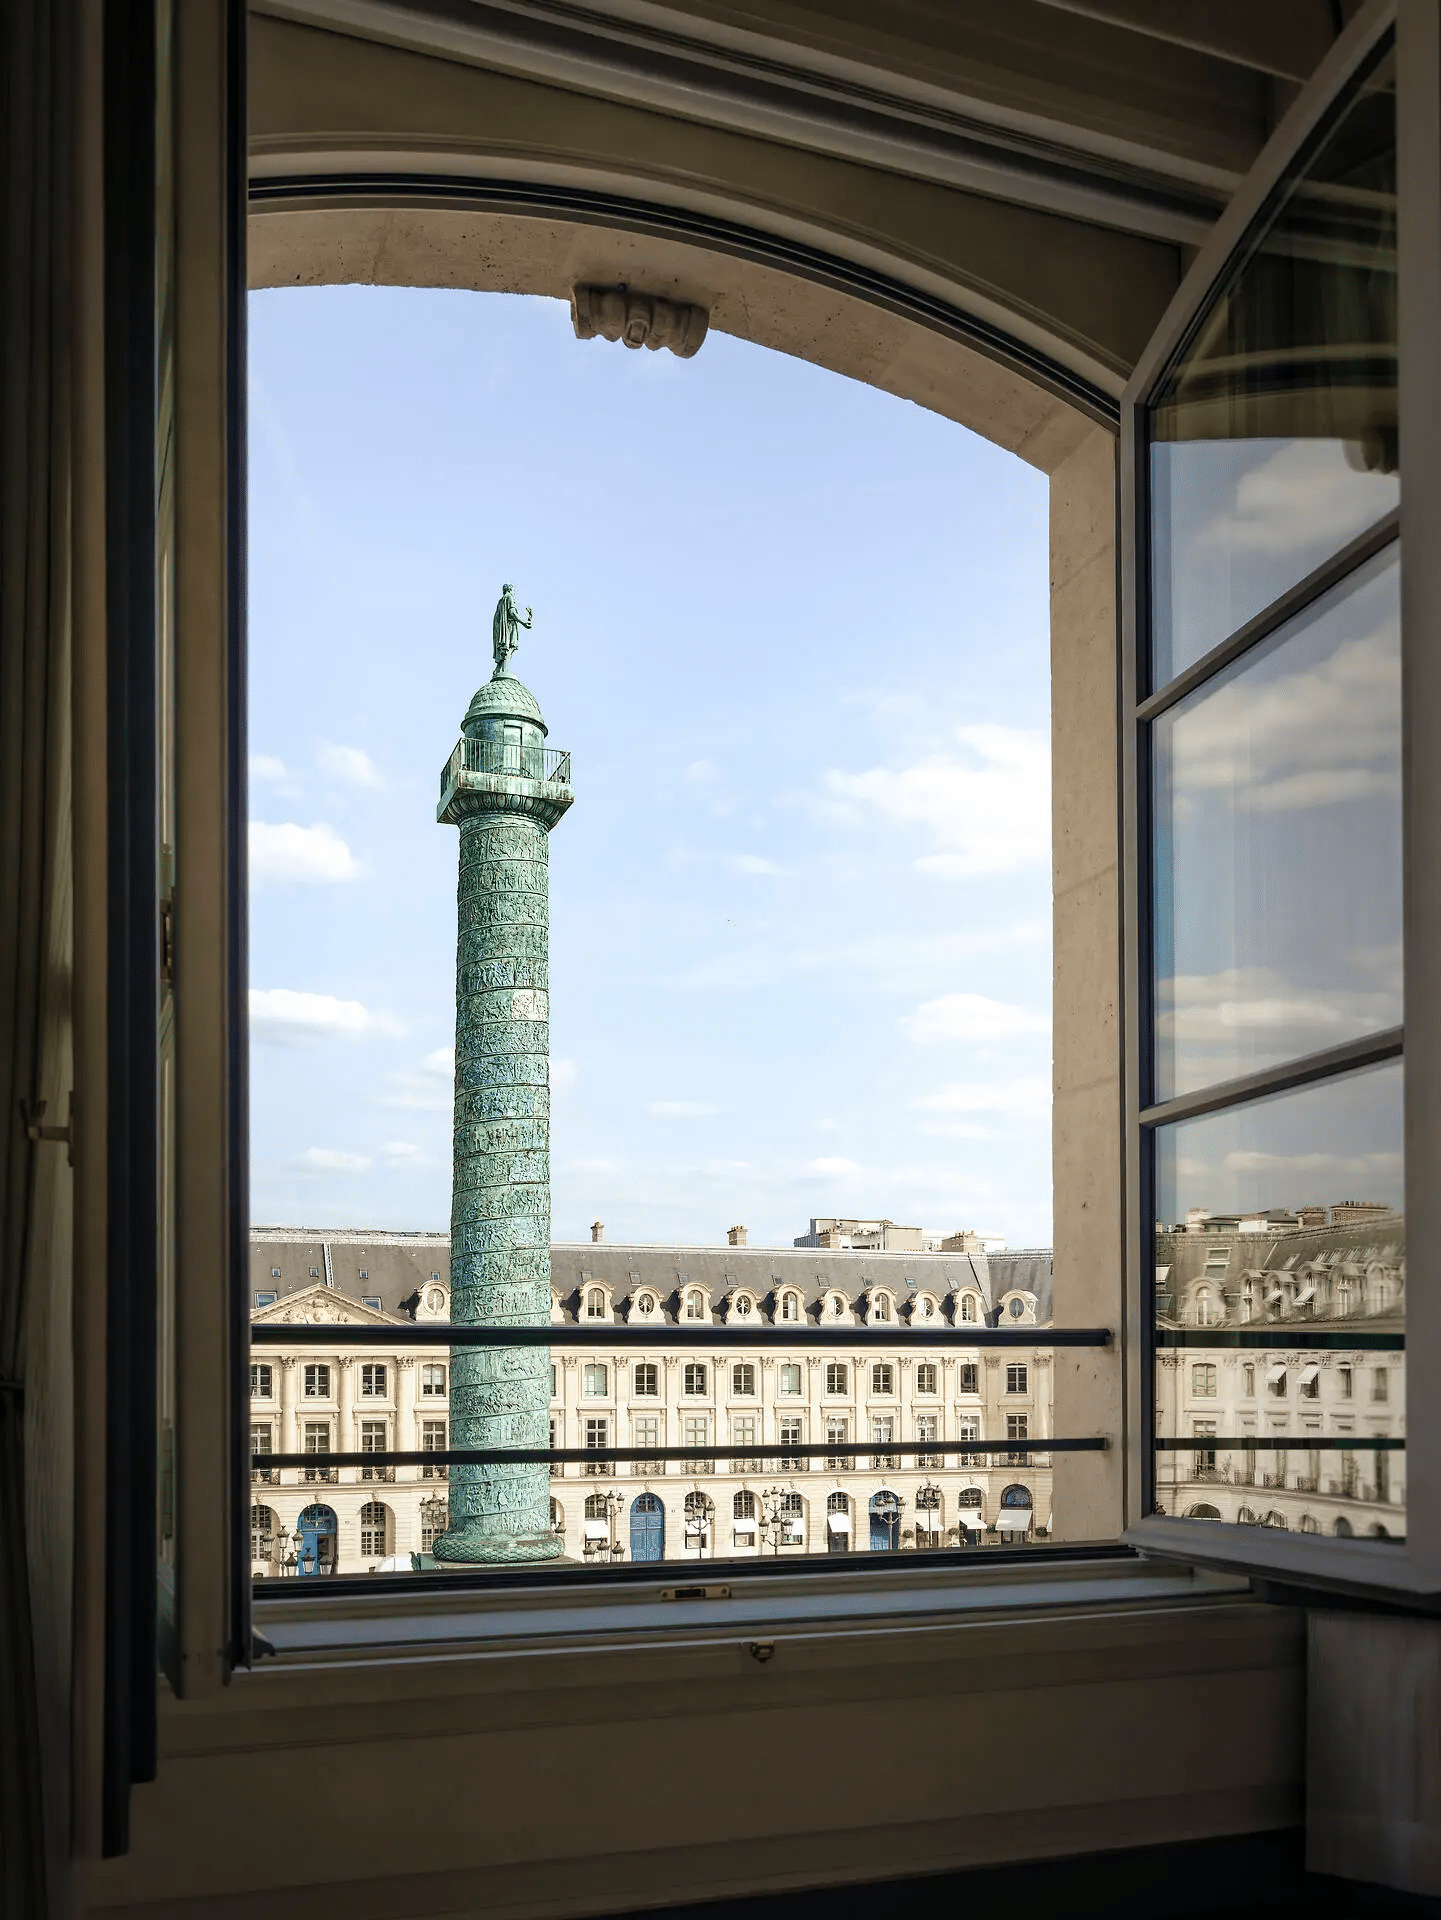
(396, 1265)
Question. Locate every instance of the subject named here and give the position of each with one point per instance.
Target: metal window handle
(33, 1113)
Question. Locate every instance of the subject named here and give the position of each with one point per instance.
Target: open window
(1279, 858)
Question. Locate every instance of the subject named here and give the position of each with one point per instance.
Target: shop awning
(1014, 1520)
(596, 1530)
(1275, 1373)
(839, 1522)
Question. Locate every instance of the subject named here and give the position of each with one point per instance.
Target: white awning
(1307, 1293)
(596, 1530)
(839, 1522)
(1275, 1373)
(1309, 1376)
(1273, 1296)
(1014, 1520)
(745, 1536)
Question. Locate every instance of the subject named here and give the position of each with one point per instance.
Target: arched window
(262, 1533)
(595, 1304)
(927, 1376)
(1342, 1529)
(1018, 1307)
(557, 1517)
(695, 1304)
(744, 1505)
(595, 1507)
(838, 1305)
(790, 1306)
(1202, 1511)
(883, 1377)
(435, 1300)
(928, 1308)
(373, 1530)
(928, 1499)
(838, 1503)
(699, 1512)
(1208, 1309)
(969, 1497)
(646, 1303)
(743, 1377)
(968, 1307)
(880, 1307)
(743, 1305)
(837, 1378)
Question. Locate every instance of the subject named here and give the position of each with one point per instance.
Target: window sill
(903, 1614)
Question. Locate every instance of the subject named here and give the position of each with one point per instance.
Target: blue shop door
(318, 1538)
(647, 1528)
(885, 1523)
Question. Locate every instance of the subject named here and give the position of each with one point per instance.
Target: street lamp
(928, 1502)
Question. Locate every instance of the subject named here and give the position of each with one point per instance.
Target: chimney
(597, 1231)
(736, 1236)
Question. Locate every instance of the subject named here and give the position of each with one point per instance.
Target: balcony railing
(542, 764)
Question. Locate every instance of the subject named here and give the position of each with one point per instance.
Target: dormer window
(275, 1273)
(646, 1303)
(790, 1306)
(838, 1306)
(880, 1307)
(695, 1304)
(265, 1299)
(595, 1304)
(926, 1307)
(968, 1307)
(435, 1300)
(1018, 1307)
(743, 1305)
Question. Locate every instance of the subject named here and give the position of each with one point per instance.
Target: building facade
(1321, 1277)
(319, 1394)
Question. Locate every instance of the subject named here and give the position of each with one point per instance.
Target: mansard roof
(397, 1265)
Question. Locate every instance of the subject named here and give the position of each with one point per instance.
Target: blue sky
(793, 632)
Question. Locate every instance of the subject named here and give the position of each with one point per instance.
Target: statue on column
(505, 629)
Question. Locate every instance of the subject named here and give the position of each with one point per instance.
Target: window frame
(1319, 1562)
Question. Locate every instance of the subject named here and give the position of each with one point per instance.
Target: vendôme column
(505, 790)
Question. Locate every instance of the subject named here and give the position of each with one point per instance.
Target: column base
(470, 1547)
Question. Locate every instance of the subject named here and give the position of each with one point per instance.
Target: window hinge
(167, 940)
(33, 1114)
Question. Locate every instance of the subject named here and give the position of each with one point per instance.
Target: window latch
(33, 1113)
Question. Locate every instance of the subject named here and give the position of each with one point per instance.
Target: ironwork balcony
(377, 1473)
(545, 765)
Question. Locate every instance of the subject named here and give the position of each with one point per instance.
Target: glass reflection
(1277, 885)
(1280, 1312)
(1274, 439)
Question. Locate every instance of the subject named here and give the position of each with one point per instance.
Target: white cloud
(281, 1015)
(329, 1160)
(1326, 732)
(1306, 497)
(289, 855)
(1218, 1010)
(1023, 1097)
(680, 1109)
(832, 1168)
(894, 958)
(562, 1074)
(350, 764)
(971, 1016)
(400, 1150)
(751, 863)
(829, 1126)
(987, 808)
(702, 773)
(265, 766)
(441, 1061)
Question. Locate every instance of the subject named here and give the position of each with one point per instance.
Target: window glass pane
(1281, 1223)
(1277, 890)
(1274, 439)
